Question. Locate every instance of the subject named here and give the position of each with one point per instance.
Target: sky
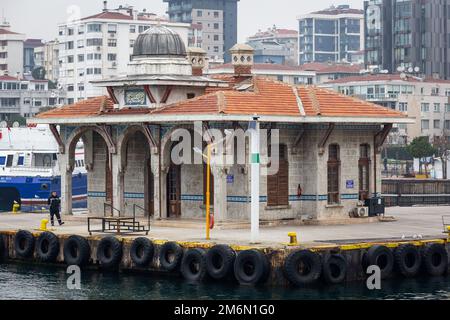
(39, 18)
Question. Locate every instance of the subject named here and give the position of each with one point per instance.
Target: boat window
(55, 157)
(20, 160)
(9, 160)
(2, 161)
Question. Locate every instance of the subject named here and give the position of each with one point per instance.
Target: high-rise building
(412, 34)
(11, 51)
(331, 35)
(217, 20)
(275, 46)
(100, 46)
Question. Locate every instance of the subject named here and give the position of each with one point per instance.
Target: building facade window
(436, 124)
(334, 168)
(112, 43)
(132, 28)
(403, 107)
(112, 28)
(425, 124)
(94, 42)
(94, 27)
(278, 184)
(425, 107)
(437, 107)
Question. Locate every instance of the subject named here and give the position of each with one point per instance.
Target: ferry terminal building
(329, 143)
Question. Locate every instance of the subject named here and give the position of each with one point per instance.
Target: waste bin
(376, 206)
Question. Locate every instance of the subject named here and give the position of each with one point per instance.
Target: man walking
(54, 202)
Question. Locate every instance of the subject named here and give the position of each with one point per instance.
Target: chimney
(198, 60)
(105, 6)
(242, 59)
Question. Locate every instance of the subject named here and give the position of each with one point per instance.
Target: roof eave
(157, 118)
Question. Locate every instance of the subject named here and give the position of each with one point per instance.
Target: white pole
(254, 160)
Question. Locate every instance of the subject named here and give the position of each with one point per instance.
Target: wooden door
(174, 191)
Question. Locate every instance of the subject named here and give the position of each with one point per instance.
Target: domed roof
(159, 41)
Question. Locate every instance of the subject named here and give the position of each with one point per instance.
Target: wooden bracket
(62, 147)
(381, 136)
(167, 94)
(299, 138)
(148, 134)
(149, 94)
(112, 95)
(106, 130)
(325, 138)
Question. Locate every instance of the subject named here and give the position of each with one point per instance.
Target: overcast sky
(39, 18)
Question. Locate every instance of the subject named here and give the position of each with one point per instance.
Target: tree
(420, 148)
(442, 146)
(38, 73)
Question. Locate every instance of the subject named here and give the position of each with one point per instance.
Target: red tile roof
(6, 31)
(121, 16)
(259, 96)
(8, 78)
(278, 99)
(84, 108)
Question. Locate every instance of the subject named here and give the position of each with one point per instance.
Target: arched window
(278, 184)
(334, 168)
(364, 171)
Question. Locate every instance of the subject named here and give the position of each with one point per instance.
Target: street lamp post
(255, 172)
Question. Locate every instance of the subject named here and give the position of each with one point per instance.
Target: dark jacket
(54, 202)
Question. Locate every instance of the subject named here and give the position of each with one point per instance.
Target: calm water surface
(18, 281)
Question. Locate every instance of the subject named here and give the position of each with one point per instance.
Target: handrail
(105, 205)
(145, 212)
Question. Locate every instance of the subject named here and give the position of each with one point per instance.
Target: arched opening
(97, 160)
(138, 180)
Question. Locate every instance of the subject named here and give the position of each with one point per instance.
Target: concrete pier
(416, 226)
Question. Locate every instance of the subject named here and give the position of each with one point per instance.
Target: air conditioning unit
(114, 64)
(112, 35)
(99, 48)
(362, 212)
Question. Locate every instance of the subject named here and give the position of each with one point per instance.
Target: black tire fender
(220, 261)
(193, 265)
(109, 252)
(334, 269)
(141, 251)
(435, 259)
(408, 260)
(76, 251)
(251, 267)
(382, 257)
(47, 247)
(24, 244)
(302, 267)
(170, 256)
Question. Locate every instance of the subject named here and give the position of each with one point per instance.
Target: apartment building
(47, 56)
(100, 46)
(213, 24)
(425, 99)
(409, 34)
(275, 46)
(332, 34)
(25, 97)
(11, 50)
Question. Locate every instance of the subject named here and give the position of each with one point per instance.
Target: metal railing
(111, 209)
(146, 212)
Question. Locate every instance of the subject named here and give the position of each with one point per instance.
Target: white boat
(29, 169)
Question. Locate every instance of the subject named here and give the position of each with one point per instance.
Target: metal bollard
(293, 239)
(44, 223)
(15, 208)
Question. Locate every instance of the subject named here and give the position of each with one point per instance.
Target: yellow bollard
(448, 233)
(15, 208)
(44, 223)
(293, 239)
